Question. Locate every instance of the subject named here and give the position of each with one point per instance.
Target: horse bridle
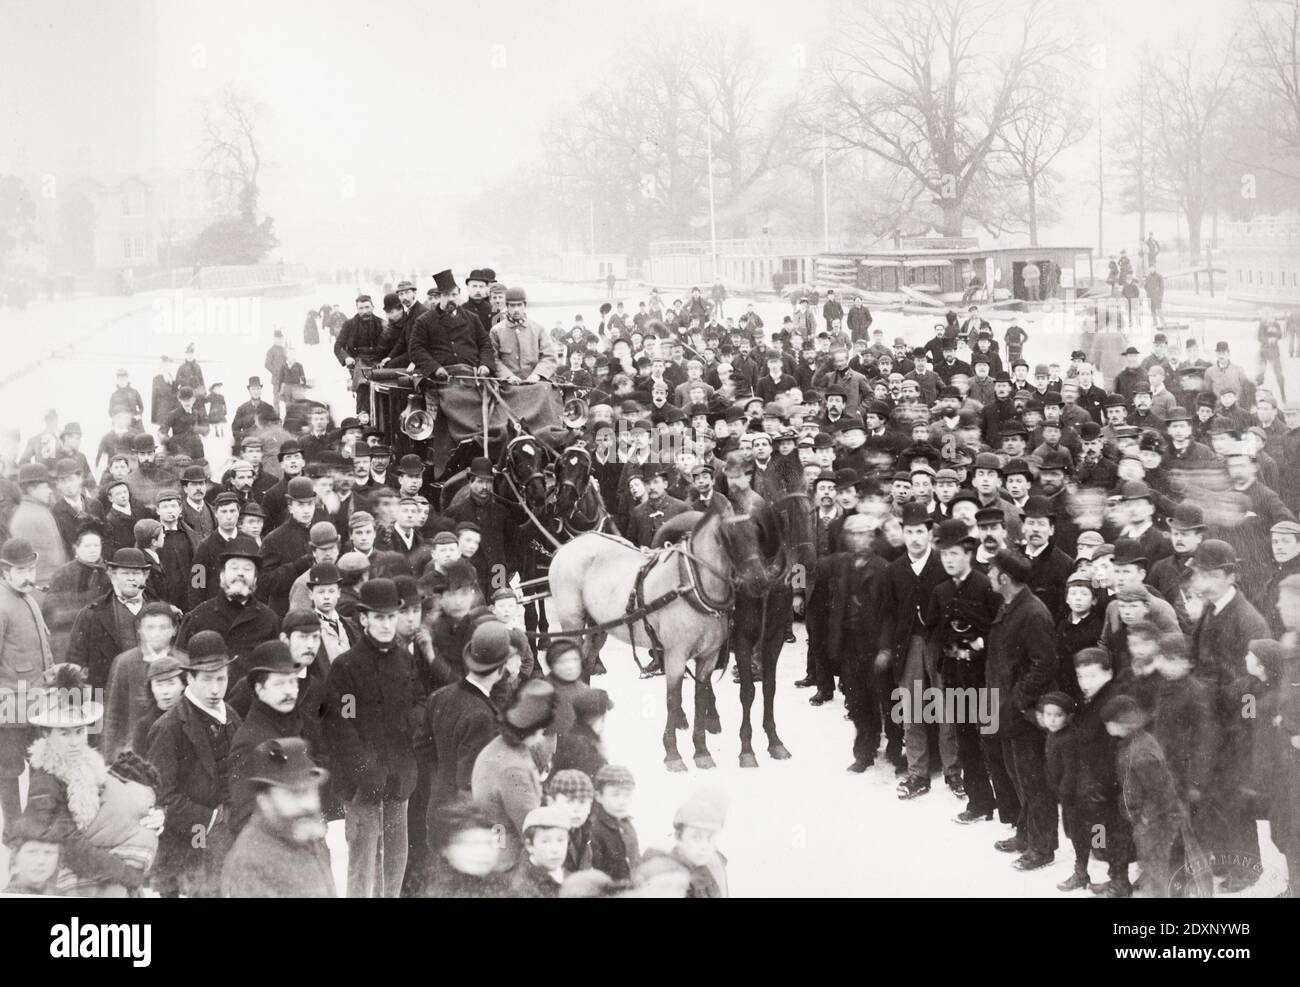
(575, 451)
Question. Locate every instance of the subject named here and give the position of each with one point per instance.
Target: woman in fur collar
(106, 824)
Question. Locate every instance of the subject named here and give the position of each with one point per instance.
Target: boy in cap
(33, 858)
(696, 826)
(1148, 798)
(615, 849)
(164, 684)
(571, 790)
(541, 869)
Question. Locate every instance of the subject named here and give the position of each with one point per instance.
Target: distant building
(1263, 259)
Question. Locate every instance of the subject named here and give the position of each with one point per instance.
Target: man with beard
(358, 347)
(190, 747)
(372, 702)
(281, 853)
(286, 550)
(840, 376)
(961, 611)
(1052, 475)
(25, 654)
(1169, 575)
(250, 415)
(492, 518)
(225, 512)
(72, 509)
(1050, 567)
(242, 621)
(107, 626)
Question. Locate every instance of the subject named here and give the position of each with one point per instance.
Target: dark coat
(1220, 641)
(442, 339)
(373, 708)
(263, 864)
(96, 640)
(74, 585)
(444, 881)
(459, 722)
(1021, 663)
(208, 555)
(1071, 638)
(286, 555)
(264, 723)
(243, 626)
(904, 600)
(579, 748)
(1185, 726)
(1095, 750)
(1051, 568)
(186, 746)
(360, 338)
(961, 616)
(615, 849)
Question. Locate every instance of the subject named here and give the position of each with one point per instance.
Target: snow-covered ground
(800, 827)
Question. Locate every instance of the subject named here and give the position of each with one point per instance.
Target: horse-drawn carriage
(720, 580)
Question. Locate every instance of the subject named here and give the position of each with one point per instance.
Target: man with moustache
(450, 340)
(281, 853)
(107, 627)
(25, 653)
(358, 347)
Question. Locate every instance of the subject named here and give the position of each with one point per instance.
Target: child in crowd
(465, 853)
(1078, 628)
(660, 875)
(1133, 610)
(540, 871)
(564, 661)
(572, 791)
(1184, 723)
(1060, 765)
(696, 826)
(1148, 797)
(216, 416)
(165, 682)
(1096, 790)
(33, 860)
(615, 849)
(581, 747)
(1140, 680)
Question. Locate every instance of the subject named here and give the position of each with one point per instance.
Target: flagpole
(713, 221)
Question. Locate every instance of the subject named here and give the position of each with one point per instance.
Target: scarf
(83, 775)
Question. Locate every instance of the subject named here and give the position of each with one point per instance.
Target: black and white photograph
(651, 449)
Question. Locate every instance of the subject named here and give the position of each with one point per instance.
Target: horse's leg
(743, 644)
(703, 703)
(777, 606)
(675, 670)
(712, 722)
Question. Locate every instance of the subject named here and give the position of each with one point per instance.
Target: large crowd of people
(205, 662)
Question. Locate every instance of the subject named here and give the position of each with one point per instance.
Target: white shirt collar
(218, 714)
(1224, 600)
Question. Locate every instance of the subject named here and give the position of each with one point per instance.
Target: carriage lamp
(417, 420)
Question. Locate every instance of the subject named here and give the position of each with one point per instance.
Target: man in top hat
(242, 620)
(25, 653)
(286, 550)
(108, 626)
(460, 719)
(373, 701)
(450, 338)
(251, 414)
(281, 852)
(190, 746)
(1050, 566)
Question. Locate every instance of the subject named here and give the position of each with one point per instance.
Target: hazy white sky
(381, 118)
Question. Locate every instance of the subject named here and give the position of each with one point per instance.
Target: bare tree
(232, 160)
(1049, 119)
(1272, 55)
(924, 86)
(1191, 101)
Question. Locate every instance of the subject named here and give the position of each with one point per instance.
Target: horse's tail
(724, 657)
